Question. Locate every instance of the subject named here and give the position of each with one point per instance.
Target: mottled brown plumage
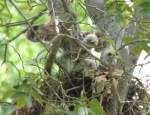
(43, 32)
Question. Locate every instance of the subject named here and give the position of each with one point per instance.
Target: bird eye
(109, 54)
(104, 43)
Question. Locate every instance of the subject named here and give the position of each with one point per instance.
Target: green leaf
(82, 110)
(136, 50)
(21, 101)
(145, 47)
(96, 108)
(142, 6)
(108, 40)
(127, 40)
(138, 2)
(20, 98)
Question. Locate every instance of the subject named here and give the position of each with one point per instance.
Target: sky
(143, 72)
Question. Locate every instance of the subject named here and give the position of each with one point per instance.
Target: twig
(133, 42)
(5, 54)
(28, 23)
(24, 22)
(142, 64)
(17, 36)
(6, 103)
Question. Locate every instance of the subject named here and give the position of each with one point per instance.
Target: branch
(31, 20)
(56, 41)
(132, 43)
(28, 23)
(52, 53)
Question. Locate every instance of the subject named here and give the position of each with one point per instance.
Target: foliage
(22, 62)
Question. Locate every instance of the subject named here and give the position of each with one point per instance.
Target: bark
(64, 11)
(107, 25)
(110, 27)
